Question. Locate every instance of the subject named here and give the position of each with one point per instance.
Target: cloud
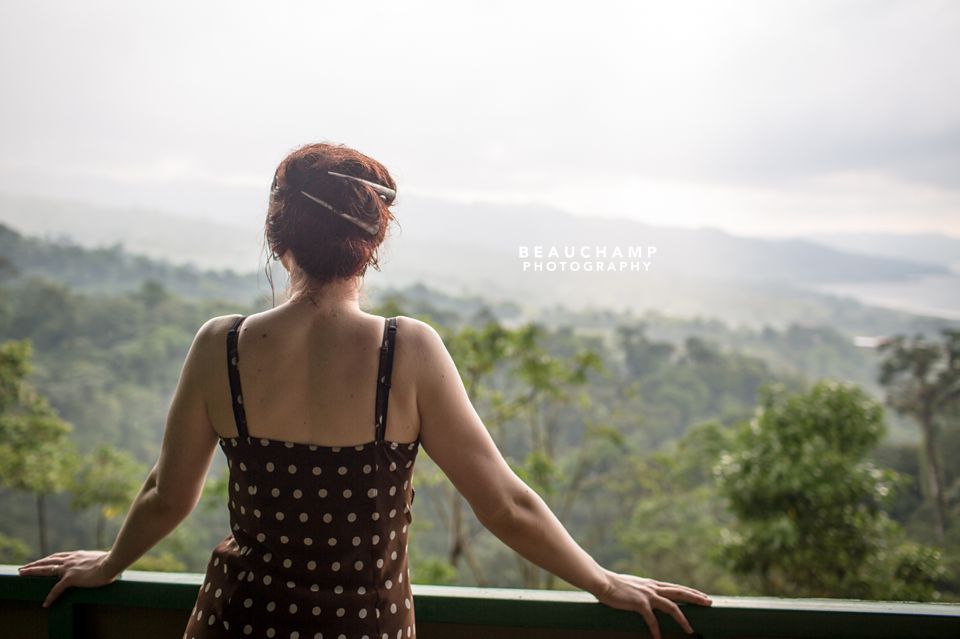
(743, 98)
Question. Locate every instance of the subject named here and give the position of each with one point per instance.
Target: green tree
(809, 505)
(922, 379)
(36, 454)
(108, 479)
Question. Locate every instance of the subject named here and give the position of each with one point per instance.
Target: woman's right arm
(454, 437)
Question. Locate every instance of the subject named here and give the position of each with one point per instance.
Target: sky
(760, 118)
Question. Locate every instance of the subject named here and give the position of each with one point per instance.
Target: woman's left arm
(171, 490)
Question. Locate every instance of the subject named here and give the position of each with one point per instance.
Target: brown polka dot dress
(318, 548)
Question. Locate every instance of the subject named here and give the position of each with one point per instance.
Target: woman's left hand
(82, 568)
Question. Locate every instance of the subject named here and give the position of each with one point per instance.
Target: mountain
(930, 248)
(475, 249)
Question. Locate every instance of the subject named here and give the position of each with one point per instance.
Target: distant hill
(114, 269)
(473, 250)
(919, 247)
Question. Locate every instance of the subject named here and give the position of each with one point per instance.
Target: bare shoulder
(215, 328)
(420, 339)
(211, 337)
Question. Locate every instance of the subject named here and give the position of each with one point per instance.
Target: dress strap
(233, 361)
(383, 375)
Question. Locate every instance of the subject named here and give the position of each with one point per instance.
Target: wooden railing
(148, 605)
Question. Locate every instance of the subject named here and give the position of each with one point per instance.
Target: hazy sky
(757, 117)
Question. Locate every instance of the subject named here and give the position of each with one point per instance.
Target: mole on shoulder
(264, 335)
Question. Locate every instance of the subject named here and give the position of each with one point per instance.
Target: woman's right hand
(629, 592)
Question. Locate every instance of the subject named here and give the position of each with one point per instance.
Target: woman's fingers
(58, 588)
(46, 561)
(666, 584)
(664, 604)
(650, 618)
(48, 569)
(687, 595)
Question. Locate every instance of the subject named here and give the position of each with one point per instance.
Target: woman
(320, 508)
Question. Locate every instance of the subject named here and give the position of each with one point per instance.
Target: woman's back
(319, 522)
(311, 377)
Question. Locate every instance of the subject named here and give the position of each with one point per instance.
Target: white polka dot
(393, 490)
(372, 492)
(290, 584)
(279, 516)
(393, 533)
(406, 602)
(291, 469)
(358, 565)
(297, 494)
(352, 517)
(388, 584)
(211, 620)
(317, 470)
(340, 612)
(338, 589)
(356, 541)
(287, 563)
(332, 541)
(362, 614)
(393, 465)
(322, 492)
(218, 593)
(294, 635)
(275, 492)
(376, 538)
(243, 466)
(361, 590)
(261, 537)
(366, 468)
(267, 579)
(380, 563)
(335, 566)
(311, 565)
(342, 470)
(327, 518)
(307, 541)
(264, 442)
(375, 516)
(316, 611)
(284, 539)
(247, 629)
(271, 632)
(304, 517)
(393, 555)
(270, 467)
(393, 607)
(347, 492)
(293, 609)
(256, 513)
(267, 557)
(314, 588)
(247, 602)
(250, 577)
(271, 606)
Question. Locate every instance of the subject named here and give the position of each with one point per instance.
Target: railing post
(60, 621)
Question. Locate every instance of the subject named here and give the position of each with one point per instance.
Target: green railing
(145, 605)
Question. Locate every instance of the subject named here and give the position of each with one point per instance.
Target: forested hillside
(634, 429)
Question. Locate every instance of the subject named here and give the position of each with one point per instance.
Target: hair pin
(385, 192)
(369, 228)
